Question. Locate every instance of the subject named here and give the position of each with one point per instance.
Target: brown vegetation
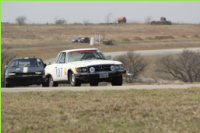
(133, 63)
(138, 111)
(21, 20)
(45, 41)
(38, 40)
(60, 21)
(6, 56)
(184, 67)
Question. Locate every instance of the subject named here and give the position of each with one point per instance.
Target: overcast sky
(97, 12)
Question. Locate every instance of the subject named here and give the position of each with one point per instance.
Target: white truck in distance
(79, 66)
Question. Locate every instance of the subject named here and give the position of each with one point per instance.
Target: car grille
(102, 68)
(20, 74)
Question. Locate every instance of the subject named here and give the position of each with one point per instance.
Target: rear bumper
(24, 80)
(87, 77)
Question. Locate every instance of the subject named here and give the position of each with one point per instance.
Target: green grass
(140, 111)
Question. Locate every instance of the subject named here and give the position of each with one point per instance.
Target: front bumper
(87, 77)
(24, 79)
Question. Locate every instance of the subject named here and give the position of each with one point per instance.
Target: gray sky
(96, 12)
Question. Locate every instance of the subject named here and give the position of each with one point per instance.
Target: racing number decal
(59, 71)
(65, 71)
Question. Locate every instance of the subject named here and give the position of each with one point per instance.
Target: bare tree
(148, 20)
(185, 67)
(60, 21)
(21, 20)
(86, 22)
(133, 63)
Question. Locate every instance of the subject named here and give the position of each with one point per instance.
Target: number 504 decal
(59, 71)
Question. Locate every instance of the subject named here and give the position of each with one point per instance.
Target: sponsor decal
(65, 71)
(25, 69)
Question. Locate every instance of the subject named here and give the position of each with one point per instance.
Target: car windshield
(85, 55)
(26, 63)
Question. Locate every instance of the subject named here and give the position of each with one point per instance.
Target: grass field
(138, 111)
(46, 40)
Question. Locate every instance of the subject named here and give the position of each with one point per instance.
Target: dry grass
(139, 111)
(46, 40)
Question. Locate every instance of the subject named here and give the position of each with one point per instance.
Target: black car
(24, 72)
(81, 40)
(76, 40)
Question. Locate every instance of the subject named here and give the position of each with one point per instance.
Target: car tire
(52, 83)
(45, 84)
(117, 81)
(94, 83)
(6, 84)
(73, 81)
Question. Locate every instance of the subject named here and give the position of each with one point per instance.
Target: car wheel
(73, 81)
(94, 83)
(45, 82)
(117, 81)
(52, 83)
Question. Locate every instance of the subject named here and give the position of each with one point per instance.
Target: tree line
(184, 67)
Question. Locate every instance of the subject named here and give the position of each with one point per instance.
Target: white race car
(78, 66)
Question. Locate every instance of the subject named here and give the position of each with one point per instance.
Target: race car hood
(86, 63)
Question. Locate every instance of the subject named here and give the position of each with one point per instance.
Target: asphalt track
(101, 88)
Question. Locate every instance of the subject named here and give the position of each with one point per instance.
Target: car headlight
(81, 69)
(11, 74)
(112, 68)
(119, 67)
(38, 72)
(92, 69)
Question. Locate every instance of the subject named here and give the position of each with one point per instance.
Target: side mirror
(6, 66)
(45, 65)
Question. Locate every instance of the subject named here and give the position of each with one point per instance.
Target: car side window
(66, 57)
(58, 57)
(40, 63)
(62, 58)
(13, 64)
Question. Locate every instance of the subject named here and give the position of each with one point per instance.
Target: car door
(59, 66)
(64, 67)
